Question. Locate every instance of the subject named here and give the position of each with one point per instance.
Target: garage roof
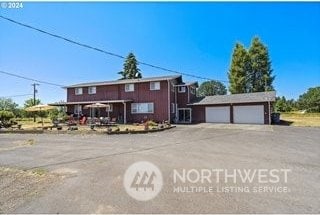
(237, 98)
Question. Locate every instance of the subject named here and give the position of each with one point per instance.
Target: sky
(195, 38)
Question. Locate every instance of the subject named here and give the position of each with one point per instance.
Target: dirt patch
(19, 186)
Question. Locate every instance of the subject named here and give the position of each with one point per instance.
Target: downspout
(124, 113)
(169, 102)
(269, 112)
(188, 93)
(176, 103)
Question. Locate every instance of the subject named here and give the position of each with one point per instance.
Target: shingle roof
(126, 81)
(237, 98)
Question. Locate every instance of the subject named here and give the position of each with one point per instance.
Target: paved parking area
(93, 166)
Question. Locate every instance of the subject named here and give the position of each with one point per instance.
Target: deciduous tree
(211, 88)
(310, 100)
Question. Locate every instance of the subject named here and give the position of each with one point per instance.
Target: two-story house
(167, 98)
(134, 100)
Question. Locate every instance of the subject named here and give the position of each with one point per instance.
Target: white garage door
(218, 114)
(253, 114)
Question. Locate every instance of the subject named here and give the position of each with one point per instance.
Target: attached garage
(218, 114)
(249, 114)
(246, 108)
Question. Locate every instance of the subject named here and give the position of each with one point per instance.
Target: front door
(184, 115)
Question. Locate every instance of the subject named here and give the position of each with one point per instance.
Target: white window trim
(128, 90)
(91, 93)
(193, 90)
(182, 87)
(156, 83)
(142, 103)
(77, 109)
(111, 108)
(76, 91)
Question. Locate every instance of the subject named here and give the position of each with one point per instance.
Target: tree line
(308, 101)
(9, 110)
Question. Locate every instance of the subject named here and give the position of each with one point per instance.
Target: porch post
(124, 113)
(169, 102)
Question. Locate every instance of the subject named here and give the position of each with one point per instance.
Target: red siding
(182, 99)
(141, 94)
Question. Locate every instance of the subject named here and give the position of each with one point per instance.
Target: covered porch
(117, 109)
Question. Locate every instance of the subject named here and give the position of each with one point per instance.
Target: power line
(12, 96)
(30, 79)
(104, 51)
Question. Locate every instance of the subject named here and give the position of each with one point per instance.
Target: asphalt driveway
(92, 168)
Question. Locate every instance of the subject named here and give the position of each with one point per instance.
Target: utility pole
(34, 98)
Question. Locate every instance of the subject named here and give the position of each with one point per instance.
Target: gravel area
(19, 186)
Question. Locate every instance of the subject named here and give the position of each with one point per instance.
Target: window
(192, 90)
(77, 109)
(92, 90)
(142, 108)
(155, 85)
(182, 89)
(173, 108)
(109, 108)
(129, 88)
(78, 91)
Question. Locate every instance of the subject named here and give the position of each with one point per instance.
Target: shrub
(151, 123)
(57, 114)
(6, 116)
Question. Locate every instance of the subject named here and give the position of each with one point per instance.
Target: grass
(39, 171)
(300, 119)
(27, 123)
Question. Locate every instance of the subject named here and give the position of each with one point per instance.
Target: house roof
(126, 81)
(188, 84)
(237, 98)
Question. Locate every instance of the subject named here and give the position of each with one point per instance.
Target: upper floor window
(142, 108)
(92, 90)
(182, 89)
(155, 85)
(192, 90)
(78, 91)
(129, 87)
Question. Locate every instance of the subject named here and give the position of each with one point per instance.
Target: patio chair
(113, 121)
(83, 120)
